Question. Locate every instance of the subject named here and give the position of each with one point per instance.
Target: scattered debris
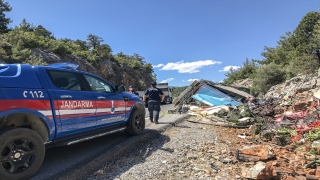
(280, 135)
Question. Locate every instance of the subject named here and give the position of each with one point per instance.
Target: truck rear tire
(136, 124)
(21, 153)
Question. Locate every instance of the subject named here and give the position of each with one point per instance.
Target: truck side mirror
(120, 89)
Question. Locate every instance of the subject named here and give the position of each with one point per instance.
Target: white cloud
(167, 80)
(189, 67)
(158, 66)
(227, 68)
(191, 80)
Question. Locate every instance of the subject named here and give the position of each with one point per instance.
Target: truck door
(74, 106)
(111, 106)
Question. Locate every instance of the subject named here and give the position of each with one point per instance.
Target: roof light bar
(65, 65)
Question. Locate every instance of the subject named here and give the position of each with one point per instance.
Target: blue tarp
(214, 97)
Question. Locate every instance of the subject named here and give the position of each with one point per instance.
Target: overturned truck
(212, 94)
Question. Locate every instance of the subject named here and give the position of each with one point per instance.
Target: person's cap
(130, 86)
(153, 83)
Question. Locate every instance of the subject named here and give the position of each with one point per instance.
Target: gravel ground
(187, 151)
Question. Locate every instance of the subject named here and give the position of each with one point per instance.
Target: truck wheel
(21, 153)
(136, 123)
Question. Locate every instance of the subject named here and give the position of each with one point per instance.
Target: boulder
(255, 153)
(254, 171)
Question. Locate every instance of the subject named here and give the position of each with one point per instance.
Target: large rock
(254, 171)
(260, 171)
(246, 83)
(255, 153)
(47, 55)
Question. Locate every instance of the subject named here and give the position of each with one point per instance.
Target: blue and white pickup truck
(54, 105)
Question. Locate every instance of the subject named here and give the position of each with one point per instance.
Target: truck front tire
(21, 153)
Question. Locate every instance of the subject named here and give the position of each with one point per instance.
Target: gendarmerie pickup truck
(54, 105)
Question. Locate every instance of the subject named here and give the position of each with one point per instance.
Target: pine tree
(4, 7)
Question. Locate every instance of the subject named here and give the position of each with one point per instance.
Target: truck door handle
(66, 96)
(101, 97)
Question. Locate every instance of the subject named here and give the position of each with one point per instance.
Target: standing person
(154, 101)
(133, 91)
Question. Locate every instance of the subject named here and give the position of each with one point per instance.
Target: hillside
(36, 45)
(118, 75)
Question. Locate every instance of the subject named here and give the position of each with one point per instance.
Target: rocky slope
(295, 85)
(246, 83)
(118, 75)
(298, 91)
(299, 88)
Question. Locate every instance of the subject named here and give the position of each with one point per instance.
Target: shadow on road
(136, 154)
(59, 160)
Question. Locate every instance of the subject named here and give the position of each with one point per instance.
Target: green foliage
(103, 51)
(306, 64)
(83, 45)
(141, 85)
(60, 47)
(94, 41)
(280, 55)
(136, 61)
(4, 7)
(248, 70)
(148, 67)
(267, 76)
(154, 77)
(314, 134)
(296, 52)
(16, 46)
(26, 37)
(136, 65)
(303, 34)
(19, 52)
(41, 31)
(176, 91)
(35, 60)
(3, 54)
(26, 27)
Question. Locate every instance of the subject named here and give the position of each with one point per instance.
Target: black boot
(156, 122)
(151, 120)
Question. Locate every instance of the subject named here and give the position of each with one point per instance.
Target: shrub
(267, 76)
(136, 65)
(35, 60)
(306, 64)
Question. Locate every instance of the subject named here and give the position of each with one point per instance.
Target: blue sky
(183, 39)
